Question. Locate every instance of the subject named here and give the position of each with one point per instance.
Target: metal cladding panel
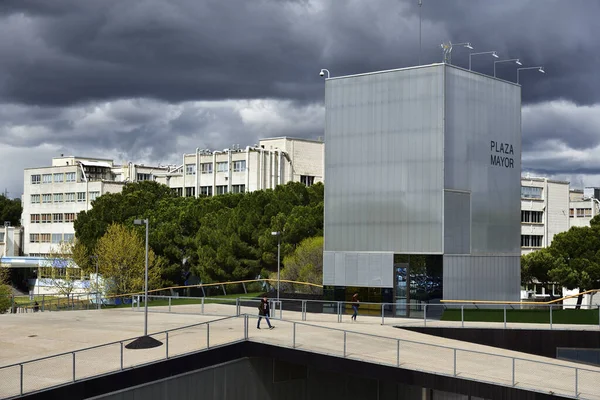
(384, 161)
(482, 278)
(457, 222)
(342, 268)
(483, 156)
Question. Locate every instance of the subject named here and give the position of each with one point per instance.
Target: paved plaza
(32, 336)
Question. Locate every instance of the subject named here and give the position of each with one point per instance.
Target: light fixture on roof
(447, 49)
(516, 60)
(540, 69)
(493, 53)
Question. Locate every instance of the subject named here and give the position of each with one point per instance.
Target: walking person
(355, 305)
(264, 311)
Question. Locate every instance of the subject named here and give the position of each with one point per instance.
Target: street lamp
(278, 234)
(447, 49)
(516, 60)
(95, 258)
(322, 73)
(142, 222)
(540, 69)
(493, 53)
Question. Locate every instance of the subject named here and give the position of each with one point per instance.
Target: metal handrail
(572, 296)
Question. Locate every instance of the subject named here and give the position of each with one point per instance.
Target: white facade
(271, 162)
(11, 240)
(544, 212)
(584, 205)
(54, 195)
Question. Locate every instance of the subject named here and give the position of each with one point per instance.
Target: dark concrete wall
(533, 341)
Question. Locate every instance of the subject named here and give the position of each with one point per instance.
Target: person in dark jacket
(264, 311)
(355, 305)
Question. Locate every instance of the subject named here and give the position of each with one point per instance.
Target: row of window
(207, 168)
(580, 212)
(53, 218)
(531, 192)
(62, 197)
(208, 190)
(534, 217)
(56, 178)
(531, 240)
(55, 238)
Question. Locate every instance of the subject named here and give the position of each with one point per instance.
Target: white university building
(53, 195)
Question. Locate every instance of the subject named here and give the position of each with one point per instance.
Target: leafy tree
(65, 272)
(121, 261)
(305, 264)
(10, 210)
(578, 258)
(5, 289)
(535, 266)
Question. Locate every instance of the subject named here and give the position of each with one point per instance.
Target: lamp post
(540, 69)
(95, 258)
(516, 60)
(142, 222)
(278, 234)
(493, 53)
(447, 49)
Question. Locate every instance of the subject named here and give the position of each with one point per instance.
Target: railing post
(462, 315)
(504, 316)
(398, 353)
(207, 336)
(454, 362)
(21, 379)
(121, 356)
(237, 306)
(246, 327)
(425, 315)
(13, 310)
(202, 312)
(599, 317)
(513, 372)
(294, 335)
(169, 303)
(167, 342)
(550, 316)
(73, 366)
(382, 313)
(43, 302)
(339, 312)
(344, 344)
(244, 286)
(304, 310)
(576, 383)
(280, 309)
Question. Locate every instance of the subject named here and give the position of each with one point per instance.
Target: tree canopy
(10, 210)
(225, 237)
(305, 264)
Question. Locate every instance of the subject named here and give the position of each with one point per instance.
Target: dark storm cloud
(65, 52)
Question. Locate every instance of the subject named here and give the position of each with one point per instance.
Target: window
(35, 218)
(190, 169)
(206, 168)
(35, 199)
(239, 166)
(177, 191)
(530, 192)
(206, 190)
(238, 188)
(69, 197)
(47, 198)
(94, 195)
(59, 178)
(531, 240)
(571, 212)
(46, 218)
(222, 189)
(56, 238)
(70, 177)
(58, 218)
(69, 237)
(45, 237)
(47, 178)
(307, 180)
(190, 191)
(58, 197)
(69, 217)
(80, 197)
(34, 238)
(144, 177)
(222, 166)
(534, 217)
(583, 212)
(1, 237)
(36, 179)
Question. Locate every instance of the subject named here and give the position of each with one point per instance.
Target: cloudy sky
(147, 80)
